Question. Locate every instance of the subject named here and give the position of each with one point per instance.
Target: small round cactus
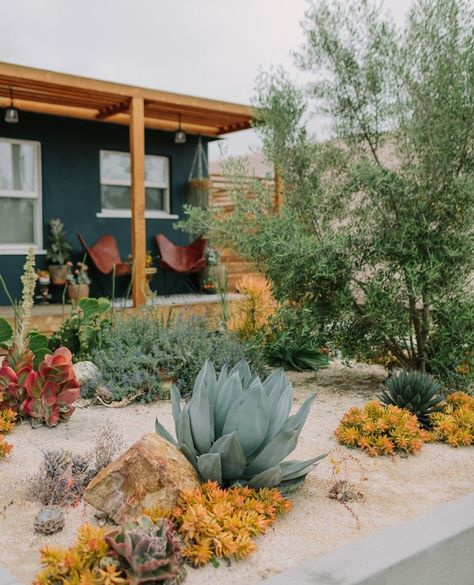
(49, 520)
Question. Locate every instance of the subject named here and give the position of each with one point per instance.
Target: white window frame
(37, 194)
(126, 213)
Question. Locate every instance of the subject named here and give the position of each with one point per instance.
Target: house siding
(71, 190)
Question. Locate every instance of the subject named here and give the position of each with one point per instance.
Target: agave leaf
(297, 421)
(249, 416)
(295, 469)
(274, 452)
(290, 486)
(190, 455)
(279, 412)
(175, 401)
(200, 417)
(273, 381)
(200, 377)
(160, 430)
(209, 466)
(222, 378)
(183, 430)
(269, 478)
(233, 460)
(229, 393)
(243, 369)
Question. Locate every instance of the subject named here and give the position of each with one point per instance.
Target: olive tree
(376, 230)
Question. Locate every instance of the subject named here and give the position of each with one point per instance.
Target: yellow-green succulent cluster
(221, 523)
(7, 422)
(455, 424)
(87, 562)
(380, 430)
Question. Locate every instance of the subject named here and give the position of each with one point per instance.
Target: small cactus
(49, 520)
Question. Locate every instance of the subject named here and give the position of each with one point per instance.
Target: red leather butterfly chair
(105, 255)
(182, 260)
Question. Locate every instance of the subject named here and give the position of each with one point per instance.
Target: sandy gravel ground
(395, 489)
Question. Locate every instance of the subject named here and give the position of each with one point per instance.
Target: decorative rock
(49, 520)
(86, 372)
(151, 473)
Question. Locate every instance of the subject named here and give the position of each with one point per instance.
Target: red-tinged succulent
(12, 392)
(52, 389)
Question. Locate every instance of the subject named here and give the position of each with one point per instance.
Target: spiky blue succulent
(237, 429)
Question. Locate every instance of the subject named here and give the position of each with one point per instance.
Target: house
(100, 156)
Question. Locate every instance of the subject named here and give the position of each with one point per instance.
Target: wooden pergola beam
(137, 200)
(113, 110)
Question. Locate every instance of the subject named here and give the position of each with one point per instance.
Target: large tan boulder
(151, 473)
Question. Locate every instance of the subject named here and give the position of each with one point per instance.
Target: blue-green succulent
(237, 429)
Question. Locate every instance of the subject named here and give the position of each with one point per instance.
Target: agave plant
(52, 389)
(305, 357)
(237, 429)
(417, 392)
(148, 551)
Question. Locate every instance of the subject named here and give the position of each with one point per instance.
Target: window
(115, 179)
(20, 196)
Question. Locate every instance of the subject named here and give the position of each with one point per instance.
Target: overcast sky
(209, 48)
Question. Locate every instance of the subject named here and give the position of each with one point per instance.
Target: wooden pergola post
(137, 203)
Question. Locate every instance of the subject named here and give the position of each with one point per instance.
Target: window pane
(154, 199)
(115, 197)
(115, 166)
(17, 167)
(156, 170)
(17, 220)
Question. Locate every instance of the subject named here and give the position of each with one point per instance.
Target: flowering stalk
(28, 280)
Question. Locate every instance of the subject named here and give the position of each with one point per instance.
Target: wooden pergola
(47, 92)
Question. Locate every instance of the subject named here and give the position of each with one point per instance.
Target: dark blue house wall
(70, 170)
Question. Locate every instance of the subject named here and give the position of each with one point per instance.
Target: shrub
(294, 339)
(380, 430)
(138, 351)
(220, 523)
(82, 332)
(455, 424)
(237, 430)
(417, 392)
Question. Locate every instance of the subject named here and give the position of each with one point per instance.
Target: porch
(69, 125)
(48, 318)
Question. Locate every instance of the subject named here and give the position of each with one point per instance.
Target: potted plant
(213, 274)
(78, 281)
(58, 252)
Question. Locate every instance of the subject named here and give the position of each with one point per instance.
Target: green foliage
(295, 339)
(83, 331)
(6, 333)
(38, 343)
(417, 392)
(376, 230)
(59, 249)
(138, 351)
(237, 430)
(148, 551)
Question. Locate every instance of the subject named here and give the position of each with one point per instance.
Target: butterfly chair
(184, 261)
(105, 256)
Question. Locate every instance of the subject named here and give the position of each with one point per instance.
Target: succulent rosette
(52, 389)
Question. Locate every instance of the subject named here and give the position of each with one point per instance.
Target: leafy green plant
(59, 249)
(294, 339)
(148, 552)
(417, 392)
(138, 351)
(237, 429)
(82, 332)
(38, 343)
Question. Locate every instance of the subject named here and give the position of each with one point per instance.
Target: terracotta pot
(77, 292)
(58, 273)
